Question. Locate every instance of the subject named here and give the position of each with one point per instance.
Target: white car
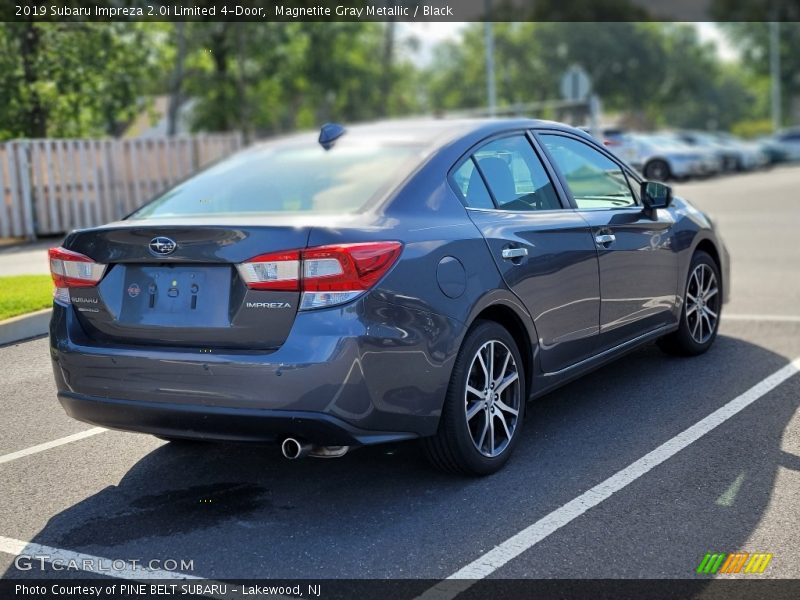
(620, 143)
(725, 158)
(661, 157)
(748, 155)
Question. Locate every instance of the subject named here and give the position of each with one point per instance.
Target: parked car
(400, 280)
(726, 158)
(775, 151)
(711, 158)
(661, 157)
(621, 143)
(784, 146)
(748, 155)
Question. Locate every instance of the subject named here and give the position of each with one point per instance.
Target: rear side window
(471, 187)
(290, 178)
(595, 180)
(515, 176)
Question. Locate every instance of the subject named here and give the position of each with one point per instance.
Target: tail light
(72, 270)
(326, 275)
(277, 271)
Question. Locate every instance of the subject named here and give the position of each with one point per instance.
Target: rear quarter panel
(444, 277)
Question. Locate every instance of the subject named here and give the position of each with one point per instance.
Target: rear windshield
(296, 178)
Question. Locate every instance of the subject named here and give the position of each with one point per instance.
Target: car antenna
(329, 133)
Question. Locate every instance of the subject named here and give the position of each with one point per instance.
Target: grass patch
(22, 294)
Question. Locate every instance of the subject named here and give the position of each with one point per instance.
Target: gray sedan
(401, 280)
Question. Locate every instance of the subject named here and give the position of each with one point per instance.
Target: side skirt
(547, 382)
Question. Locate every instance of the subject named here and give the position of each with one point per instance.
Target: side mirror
(656, 195)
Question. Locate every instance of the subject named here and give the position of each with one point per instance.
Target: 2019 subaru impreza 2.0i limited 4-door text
(392, 281)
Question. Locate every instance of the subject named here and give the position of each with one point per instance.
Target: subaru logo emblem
(162, 246)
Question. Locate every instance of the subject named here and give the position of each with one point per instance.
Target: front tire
(702, 307)
(484, 407)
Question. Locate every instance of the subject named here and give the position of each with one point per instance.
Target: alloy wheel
(492, 398)
(702, 303)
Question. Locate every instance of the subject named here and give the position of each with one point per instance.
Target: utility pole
(491, 92)
(176, 83)
(775, 73)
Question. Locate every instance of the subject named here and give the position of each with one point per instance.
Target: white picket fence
(50, 186)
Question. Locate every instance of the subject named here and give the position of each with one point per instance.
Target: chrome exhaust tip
(292, 449)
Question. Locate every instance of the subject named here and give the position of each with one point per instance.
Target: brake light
(326, 275)
(72, 270)
(337, 274)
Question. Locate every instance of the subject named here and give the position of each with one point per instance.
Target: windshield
(293, 178)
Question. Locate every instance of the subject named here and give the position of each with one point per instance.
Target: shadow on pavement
(243, 511)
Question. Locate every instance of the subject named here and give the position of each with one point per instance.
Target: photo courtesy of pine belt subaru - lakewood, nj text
(384, 282)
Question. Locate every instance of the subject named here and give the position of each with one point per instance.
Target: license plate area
(176, 296)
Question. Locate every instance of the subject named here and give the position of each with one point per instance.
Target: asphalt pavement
(240, 511)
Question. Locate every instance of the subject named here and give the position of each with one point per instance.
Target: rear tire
(702, 308)
(484, 407)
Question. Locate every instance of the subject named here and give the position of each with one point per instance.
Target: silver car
(748, 155)
(661, 157)
(789, 142)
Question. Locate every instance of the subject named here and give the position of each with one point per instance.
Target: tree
(658, 73)
(74, 79)
(272, 77)
(752, 40)
(176, 81)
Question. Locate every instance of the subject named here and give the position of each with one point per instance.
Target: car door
(637, 257)
(544, 250)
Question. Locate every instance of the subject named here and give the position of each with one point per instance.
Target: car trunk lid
(173, 285)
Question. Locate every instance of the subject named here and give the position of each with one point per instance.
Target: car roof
(432, 129)
(428, 132)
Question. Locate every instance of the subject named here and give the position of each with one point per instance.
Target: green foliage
(88, 79)
(276, 77)
(21, 294)
(700, 91)
(74, 79)
(753, 41)
(659, 72)
(752, 128)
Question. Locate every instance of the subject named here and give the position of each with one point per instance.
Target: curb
(24, 327)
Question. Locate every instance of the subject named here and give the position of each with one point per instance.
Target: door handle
(605, 239)
(512, 253)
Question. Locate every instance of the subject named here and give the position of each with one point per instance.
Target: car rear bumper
(343, 375)
(223, 424)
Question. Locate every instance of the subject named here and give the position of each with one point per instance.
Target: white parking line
(47, 445)
(767, 318)
(487, 564)
(85, 562)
